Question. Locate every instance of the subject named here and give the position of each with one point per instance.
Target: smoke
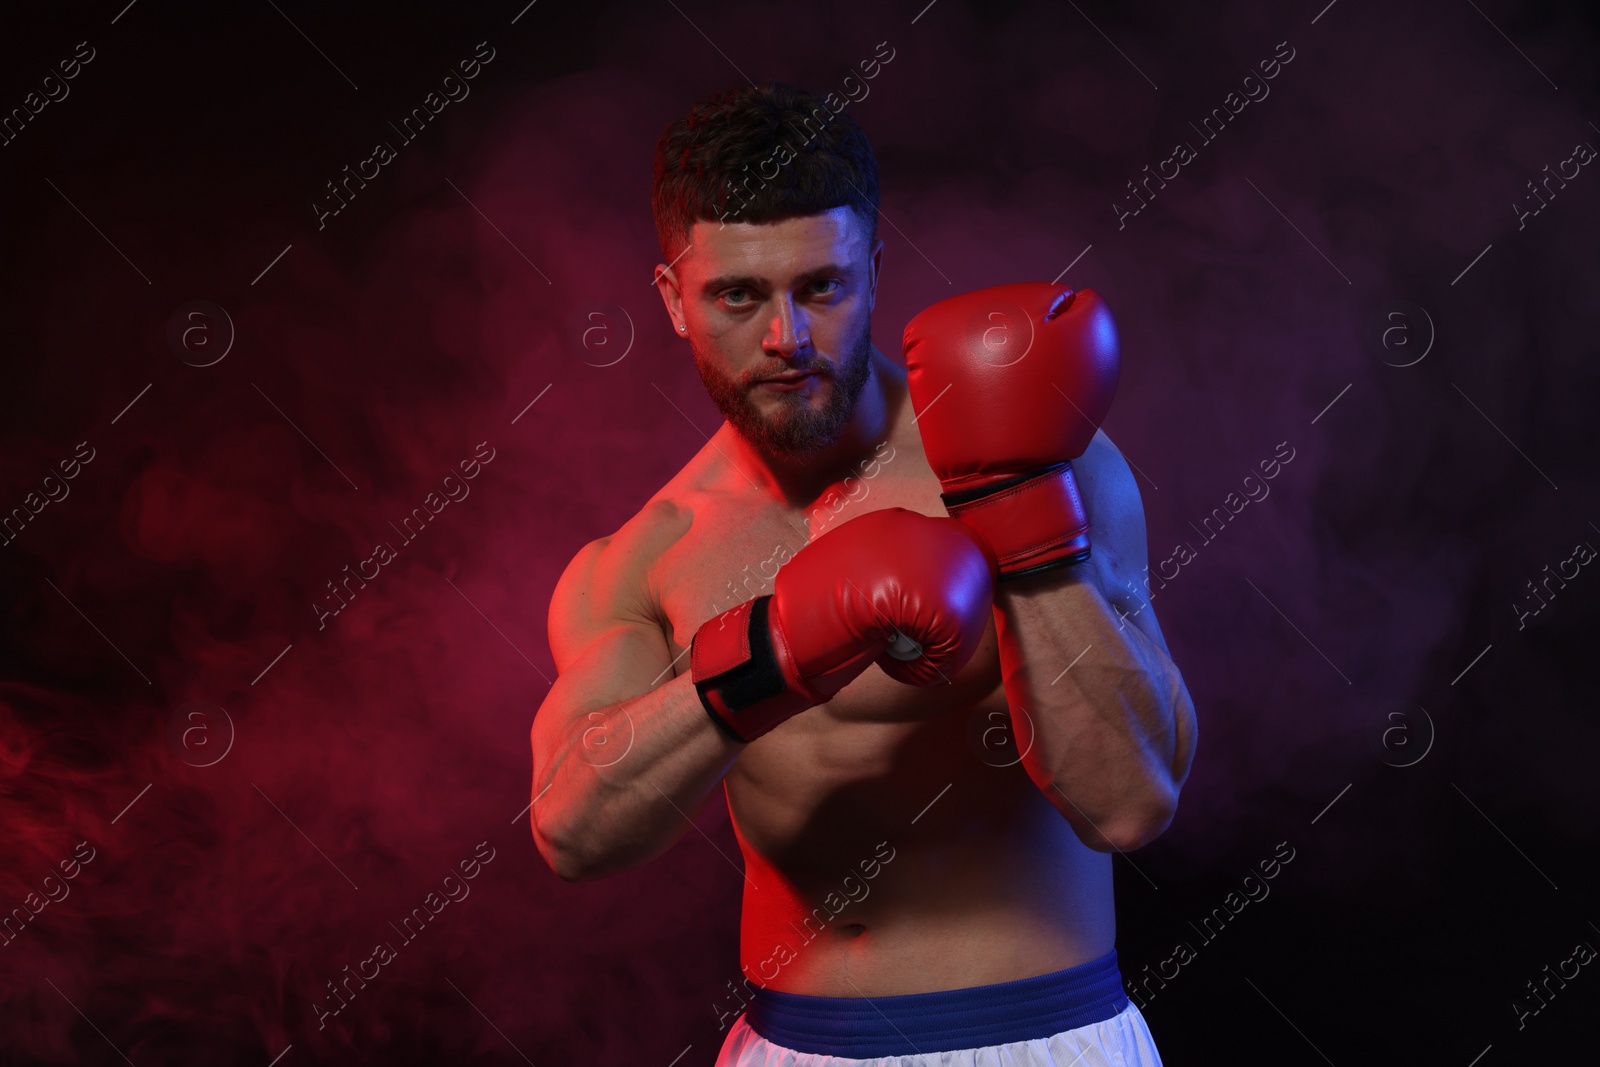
(282, 716)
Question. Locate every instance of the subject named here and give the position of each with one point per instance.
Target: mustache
(818, 366)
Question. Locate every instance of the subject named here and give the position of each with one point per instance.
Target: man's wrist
(738, 673)
(1034, 522)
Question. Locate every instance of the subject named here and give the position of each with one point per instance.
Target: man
(926, 802)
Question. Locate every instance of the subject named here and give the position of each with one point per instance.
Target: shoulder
(614, 569)
(608, 580)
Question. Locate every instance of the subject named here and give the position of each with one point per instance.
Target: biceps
(621, 663)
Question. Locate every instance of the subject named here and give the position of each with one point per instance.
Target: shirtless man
(927, 866)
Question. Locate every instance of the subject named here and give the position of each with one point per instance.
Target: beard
(795, 428)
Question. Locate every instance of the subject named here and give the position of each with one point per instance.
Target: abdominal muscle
(884, 858)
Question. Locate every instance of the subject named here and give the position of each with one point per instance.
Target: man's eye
(827, 281)
(730, 296)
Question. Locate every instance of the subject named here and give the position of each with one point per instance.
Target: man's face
(779, 321)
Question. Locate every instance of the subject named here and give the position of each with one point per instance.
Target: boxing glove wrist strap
(743, 672)
(1034, 523)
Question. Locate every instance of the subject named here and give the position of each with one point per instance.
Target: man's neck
(799, 480)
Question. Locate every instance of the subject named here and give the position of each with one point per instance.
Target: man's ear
(667, 286)
(877, 264)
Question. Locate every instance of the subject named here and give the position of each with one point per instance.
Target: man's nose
(789, 331)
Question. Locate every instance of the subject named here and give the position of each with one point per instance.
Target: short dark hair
(711, 164)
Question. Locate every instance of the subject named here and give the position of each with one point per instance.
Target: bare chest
(732, 552)
(863, 738)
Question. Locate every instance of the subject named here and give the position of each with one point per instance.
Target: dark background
(265, 797)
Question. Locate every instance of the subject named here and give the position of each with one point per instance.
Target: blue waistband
(950, 1019)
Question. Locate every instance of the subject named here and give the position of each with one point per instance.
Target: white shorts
(1010, 1024)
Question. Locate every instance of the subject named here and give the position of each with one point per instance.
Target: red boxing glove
(1030, 369)
(909, 591)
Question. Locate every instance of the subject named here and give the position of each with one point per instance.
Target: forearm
(623, 782)
(1102, 714)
